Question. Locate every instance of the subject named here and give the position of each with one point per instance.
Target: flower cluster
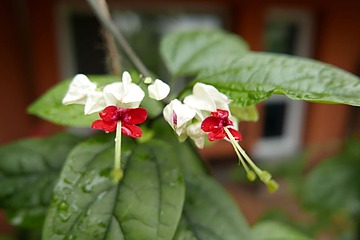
(203, 114)
(119, 105)
(206, 113)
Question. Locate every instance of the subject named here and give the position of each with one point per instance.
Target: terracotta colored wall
(338, 44)
(14, 92)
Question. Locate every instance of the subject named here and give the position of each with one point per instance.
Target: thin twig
(113, 60)
(101, 10)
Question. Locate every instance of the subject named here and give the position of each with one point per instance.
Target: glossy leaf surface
(189, 52)
(146, 204)
(28, 172)
(270, 230)
(256, 76)
(50, 107)
(209, 213)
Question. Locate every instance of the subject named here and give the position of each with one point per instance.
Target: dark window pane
(280, 37)
(88, 45)
(274, 119)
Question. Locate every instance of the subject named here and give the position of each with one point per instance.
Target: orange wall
(14, 86)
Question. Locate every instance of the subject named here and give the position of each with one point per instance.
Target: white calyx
(158, 90)
(121, 94)
(78, 90)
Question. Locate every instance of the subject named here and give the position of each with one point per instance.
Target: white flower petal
(95, 102)
(178, 115)
(113, 93)
(208, 98)
(133, 96)
(126, 80)
(195, 132)
(158, 90)
(200, 103)
(78, 90)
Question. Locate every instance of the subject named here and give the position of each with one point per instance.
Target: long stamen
(250, 174)
(117, 172)
(263, 175)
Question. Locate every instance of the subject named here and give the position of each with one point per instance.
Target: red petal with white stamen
(235, 133)
(131, 130)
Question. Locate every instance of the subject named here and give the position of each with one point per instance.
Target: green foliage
(146, 204)
(28, 172)
(270, 230)
(189, 52)
(204, 198)
(330, 192)
(248, 113)
(256, 76)
(334, 185)
(249, 78)
(209, 213)
(50, 107)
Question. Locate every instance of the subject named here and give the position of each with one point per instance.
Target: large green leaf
(254, 77)
(28, 172)
(146, 204)
(191, 51)
(335, 183)
(50, 107)
(209, 213)
(270, 230)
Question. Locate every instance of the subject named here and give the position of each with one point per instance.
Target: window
(81, 48)
(287, 31)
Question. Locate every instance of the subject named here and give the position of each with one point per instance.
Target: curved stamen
(263, 175)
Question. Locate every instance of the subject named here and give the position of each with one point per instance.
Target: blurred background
(312, 148)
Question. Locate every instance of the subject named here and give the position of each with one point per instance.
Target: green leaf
(50, 107)
(191, 164)
(256, 76)
(248, 113)
(209, 213)
(146, 204)
(270, 230)
(189, 52)
(335, 183)
(204, 197)
(28, 172)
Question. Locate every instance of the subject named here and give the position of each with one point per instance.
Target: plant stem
(101, 10)
(117, 172)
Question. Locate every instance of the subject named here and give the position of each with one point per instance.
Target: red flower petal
(109, 114)
(134, 115)
(131, 130)
(216, 135)
(220, 113)
(103, 125)
(235, 133)
(211, 124)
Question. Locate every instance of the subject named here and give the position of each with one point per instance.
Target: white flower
(123, 94)
(178, 115)
(158, 90)
(206, 98)
(95, 102)
(196, 134)
(78, 90)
